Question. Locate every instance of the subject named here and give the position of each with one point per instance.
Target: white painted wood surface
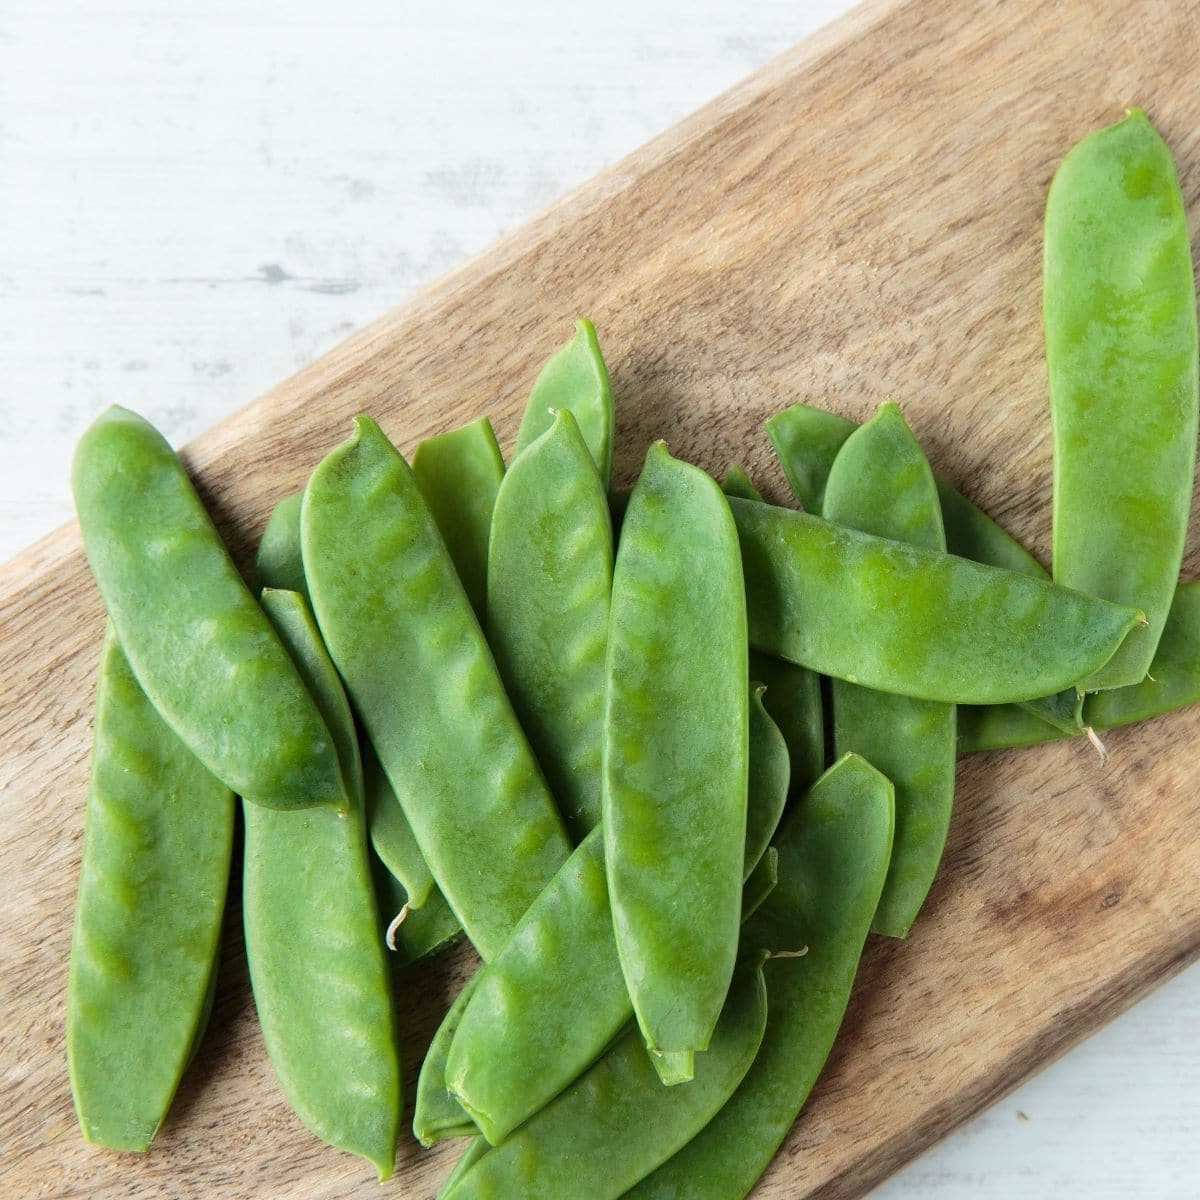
(196, 199)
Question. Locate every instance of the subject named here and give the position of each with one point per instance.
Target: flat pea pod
(904, 619)
(574, 378)
(438, 1113)
(618, 1122)
(770, 774)
(676, 754)
(197, 641)
(1173, 682)
(423, 931)
(507, 1060)
(459, 474)
(316, 960)
(793, 701)
(156, 847)
(279, 564)
(1119, 313)
(550, 564)
(399, 627)
(882, 484)
(833, 856)
(736, 482)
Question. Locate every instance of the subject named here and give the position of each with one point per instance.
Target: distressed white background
(198, 197)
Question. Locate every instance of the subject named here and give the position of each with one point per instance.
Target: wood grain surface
(860, 220)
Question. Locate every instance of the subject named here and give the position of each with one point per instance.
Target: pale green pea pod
(833, 856)
(204, 654)
(279, 564)
(316, 961)
(880, 483)
(618, 1122)
(399, 627)
(1119, 311)
(908, 620)
(549, 581)
(736, 482)
(676, 646)
(459, 473)
(156, 849)
(574, 378)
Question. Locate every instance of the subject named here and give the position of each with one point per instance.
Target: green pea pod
(617, 1123)
(507, 1061)
(549, 580)
(280, 565)
(806, 441)
(1172, 683)
(574, 378)
(423, 931)
(316, 960)
(406, 641)
(881, 484)
(475, 1150)
(437, 1113)
(971, 533)
(761, 883)
(198, 643)
(737, 483)
(833, 856)
(793, 701)
(1119, 310)
(676, 757)
(904, 619)
(156, 848)
(459, 473)
(770, 773)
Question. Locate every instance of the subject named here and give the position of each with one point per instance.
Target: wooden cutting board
(860, 220)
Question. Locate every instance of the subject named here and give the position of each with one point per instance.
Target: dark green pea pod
(971, 533)
(767, 791)
(676, 646)
(737, 483)
(793, 701)
(574, 378)
(410, 934)
(881, 484)
(316, 960)
(912, 621)
(200, 646)
(1119, 311)
(459, 473)
(406, 641)
(437, 1113)
(833, 857)
(549, 580)
(505, 1062)
(280, 565)
(156, 847)
(760, 883)
(617, 1123)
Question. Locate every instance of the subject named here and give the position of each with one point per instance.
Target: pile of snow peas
(665, 757)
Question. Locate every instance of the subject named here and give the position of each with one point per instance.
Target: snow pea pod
(406, 641)
(574, 378)
(279, 564)
(880, 483)
(618, 1122)
(905, 619)
(770, 773)
(196, 639)
(316, 960)
(833, 856)
(761, 883)
(737, 483)
(438, 1113)
(793, 701)
(676, 758)
(156, 848)
(1119, 312)
(549, 579)
(423, 932)
(459, 473)
(508, 1060)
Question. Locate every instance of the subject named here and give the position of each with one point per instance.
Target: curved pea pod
(881, 484)
(422, 932)
(506, 1061)
(767, 789)
(736, 482)
(278, 562)
(459, 474)
(475, 1150)
(316, 960)
(200, 646)
(574, 378)
(793, 701)
(618, 1122)
(676, 728)
(904, 619)
(761, 883)
(437, 1113)
(833, 856)
(806, 441)
(405, 640)
(1119, 312)
(550, 567)
(156, 848)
